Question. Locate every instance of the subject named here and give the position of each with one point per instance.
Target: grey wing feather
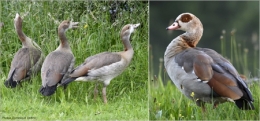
(225, 64)
(103, 59)
(55, 66)
(23, 61)
(95, 62)
(38, 64)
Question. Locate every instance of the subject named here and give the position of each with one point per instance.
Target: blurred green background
(217, 18)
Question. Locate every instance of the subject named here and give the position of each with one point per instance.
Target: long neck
(183, 42)
(129, 51)
(192, 37)
(126, 42)
(26, 41)
(63, 40)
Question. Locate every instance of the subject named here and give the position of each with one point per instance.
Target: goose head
(63, 27)
(191, 25)
(127, 30)
(66, 24)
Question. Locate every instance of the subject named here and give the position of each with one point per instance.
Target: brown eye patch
(186, 18)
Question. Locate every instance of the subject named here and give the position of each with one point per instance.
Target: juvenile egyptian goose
(202, 74)
(26, 61)
(58, 63)
(103, 67)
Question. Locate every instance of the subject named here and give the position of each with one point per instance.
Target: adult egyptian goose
(202, 74)
(27, 60)
(103, 67)
(59, 62)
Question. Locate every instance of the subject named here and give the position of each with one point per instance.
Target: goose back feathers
(202, 71)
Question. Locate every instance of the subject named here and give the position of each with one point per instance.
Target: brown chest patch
(189, 41)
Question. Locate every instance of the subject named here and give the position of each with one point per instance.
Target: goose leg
(201, 104)
(203, 108)
(95, 91)
(215, 105)
(19, 83)
(104, 94)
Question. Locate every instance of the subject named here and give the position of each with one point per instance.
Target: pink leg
(95, 91)
(104, 94)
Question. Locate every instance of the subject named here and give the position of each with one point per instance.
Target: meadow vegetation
(166, 102)
(100, 25)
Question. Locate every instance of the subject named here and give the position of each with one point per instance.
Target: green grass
(175, 106)
(127, 93)
(166, 102)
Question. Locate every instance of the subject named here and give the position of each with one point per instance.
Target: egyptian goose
(27, 60)
(103, 67)
(59, 62)
(202, 74)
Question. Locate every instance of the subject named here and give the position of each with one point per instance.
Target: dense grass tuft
(175, 106)
(98, 32)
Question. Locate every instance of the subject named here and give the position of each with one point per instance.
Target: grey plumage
(27, 60)
(201, 71)
(105, 66)
(54, 70)
(59, 63)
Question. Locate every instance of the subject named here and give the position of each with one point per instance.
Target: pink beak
(174, 26)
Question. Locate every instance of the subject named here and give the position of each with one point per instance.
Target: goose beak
(16, 17)
(136, 25)
(174, 26)
(74, 25)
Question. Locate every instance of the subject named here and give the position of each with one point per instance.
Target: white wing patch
(198, 80)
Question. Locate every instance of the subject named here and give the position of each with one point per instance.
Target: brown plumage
(105, 66)
(202, 71)
(26, 61)
(58, 63)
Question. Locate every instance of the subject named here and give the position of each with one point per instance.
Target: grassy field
(99, 31)
(175, 106)
(166, 102)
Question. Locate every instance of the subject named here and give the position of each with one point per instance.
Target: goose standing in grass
(105, 66)
(58, 63)
(202, 74)
(27, 60)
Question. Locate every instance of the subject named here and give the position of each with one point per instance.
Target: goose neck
(126, 42)
(19, 31)
(193, 36)
(26, 41)
(63, 40)
(187, 40)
